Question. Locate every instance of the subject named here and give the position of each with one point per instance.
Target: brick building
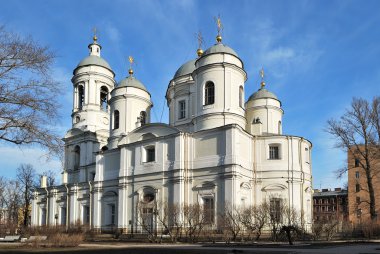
(330, 204)
(358, 196)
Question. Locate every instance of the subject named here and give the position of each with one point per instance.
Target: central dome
(131, 81)
(185, 69)
(220, 48)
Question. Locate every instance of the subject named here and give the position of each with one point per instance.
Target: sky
(317, 56)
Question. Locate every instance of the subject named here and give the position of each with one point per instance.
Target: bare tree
(26, 175)
(194, 220)
(51, 177)
(12, 201)
(231, 222)
(147, 214)
(254, 218)
(358, 133)
(169, 216)
(28, 93)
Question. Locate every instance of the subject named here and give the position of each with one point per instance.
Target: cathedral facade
(217, 149)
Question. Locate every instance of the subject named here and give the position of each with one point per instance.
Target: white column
(97, 207)
(73, 204)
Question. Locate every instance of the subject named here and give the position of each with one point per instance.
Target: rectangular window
(357, 200)
(63, 215)
(274, 153)
(150, 153)
(208, 208)
(275, 209)
(86, 214)
(112, 214)
(357, 175)
(357, 163)
(181, 109)
(357, 187)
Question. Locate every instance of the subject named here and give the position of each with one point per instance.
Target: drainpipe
(47, 207)
(67, 207)
(90, 221)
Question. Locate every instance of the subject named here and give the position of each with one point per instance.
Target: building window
(357, 200)
(103, 98)
(77, 119)
(80, 97)
(357, 187)
(274, 152)
(357, 163)
(182, 109)
(76, 157)
(208, 209)
(150, 154)
(116, 119)
(275, 209)
(241, 97)
(142, 117)
(112, 214)
(209, 93)
(43, 216)
(63, 215)
(357, 174)
(86, 214)
(359, 213)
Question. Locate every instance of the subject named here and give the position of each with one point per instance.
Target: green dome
(131, 81)
(220, 48)
(262, 93)
(94, 60)
(185, 69)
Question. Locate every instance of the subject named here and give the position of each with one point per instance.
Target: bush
(65, 240)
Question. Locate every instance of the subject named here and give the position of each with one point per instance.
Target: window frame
(116, 119)
(182, 109)
(148, 152)
(209, 93)
(276, 154)
(209, 209)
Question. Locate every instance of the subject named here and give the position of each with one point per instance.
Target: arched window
(76, 157)
(80, 97)
(143, 117)
(103, 97)
(241, 97)
(209, 93)
(116, 119)
(104, 148)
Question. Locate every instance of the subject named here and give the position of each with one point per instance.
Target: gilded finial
(220, 28)
(200, 43)
(95, 38)
(262, 74)
(131, 61)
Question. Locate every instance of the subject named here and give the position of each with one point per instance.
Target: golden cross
(262, 73)
(95, 37)
(219, 24)
(200, 39)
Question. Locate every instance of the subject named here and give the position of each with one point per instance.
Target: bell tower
(93, 81)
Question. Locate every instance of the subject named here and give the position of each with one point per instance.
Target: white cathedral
(217, 149)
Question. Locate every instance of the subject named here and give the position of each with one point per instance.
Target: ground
(130, 248)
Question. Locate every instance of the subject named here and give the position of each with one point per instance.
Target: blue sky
(317, 55)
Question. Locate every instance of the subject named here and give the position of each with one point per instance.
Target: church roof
(131, 81)
(94, 60)
(220, 48)
(185, 69)
(262, 93)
